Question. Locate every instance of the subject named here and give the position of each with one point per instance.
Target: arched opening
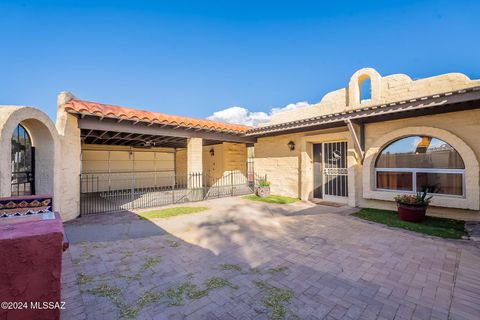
(22, 163)
(418, 163)
(365, 89)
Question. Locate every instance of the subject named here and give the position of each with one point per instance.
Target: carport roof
(101, 110)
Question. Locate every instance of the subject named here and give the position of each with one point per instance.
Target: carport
(137, 159)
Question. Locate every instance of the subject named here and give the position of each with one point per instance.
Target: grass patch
(271, 199)
(215, 283)
(172, 244)
(277, 270)
(275, 299)
(82, 278)
(150, 262)
(255, 270)
(148, 297)
(230, 266)
(187, 289)
(433, 226)
(170, 212)
(175, 294)
(128, 312)
(106, 291)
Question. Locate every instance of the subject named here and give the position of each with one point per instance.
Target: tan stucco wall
(181, 161)
(274, 159)
(291, 172)
(228, 158)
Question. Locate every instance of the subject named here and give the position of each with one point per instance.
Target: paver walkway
(248, 260)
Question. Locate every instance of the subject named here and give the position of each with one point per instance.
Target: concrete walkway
(251, 260)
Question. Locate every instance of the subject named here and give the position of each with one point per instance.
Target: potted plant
(263, 188)
(413, 207)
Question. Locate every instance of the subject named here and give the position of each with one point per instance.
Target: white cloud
(240, 115)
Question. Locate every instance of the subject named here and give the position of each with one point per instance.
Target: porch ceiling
(94, 129)
(105, 137)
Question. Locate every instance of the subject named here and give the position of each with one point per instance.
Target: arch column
(44, 138)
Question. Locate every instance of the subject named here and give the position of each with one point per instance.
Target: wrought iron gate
(119, 191)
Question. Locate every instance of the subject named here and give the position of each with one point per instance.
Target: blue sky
(193, 58)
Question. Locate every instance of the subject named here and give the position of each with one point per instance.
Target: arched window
(365, 89)
(23, 158)
(418, 163)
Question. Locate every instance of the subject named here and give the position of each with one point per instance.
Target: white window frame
(414, 172)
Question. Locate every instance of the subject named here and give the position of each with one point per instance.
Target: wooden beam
(92, 123)
(358, 138)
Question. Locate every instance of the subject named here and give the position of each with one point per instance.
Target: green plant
(263, 183)
(419, 199)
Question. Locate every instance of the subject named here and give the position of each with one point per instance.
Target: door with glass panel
(330, 171)
(22, 163)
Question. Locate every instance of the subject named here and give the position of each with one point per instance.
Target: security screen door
(330, 171)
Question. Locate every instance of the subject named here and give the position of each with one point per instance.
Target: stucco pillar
(68, 174)
(195, 167)
(306, 171)
(194, 155)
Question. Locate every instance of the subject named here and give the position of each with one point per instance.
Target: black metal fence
(118, 191)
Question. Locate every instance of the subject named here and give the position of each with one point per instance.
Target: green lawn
(170, 212)
(433, 226)
(271, 199)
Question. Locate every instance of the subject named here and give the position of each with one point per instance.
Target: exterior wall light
(291, 145)
(212, 152)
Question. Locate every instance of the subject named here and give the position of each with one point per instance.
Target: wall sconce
(212, 152)
(291, 145)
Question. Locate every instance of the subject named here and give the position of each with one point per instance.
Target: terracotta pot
(263, 192)
(411, 212)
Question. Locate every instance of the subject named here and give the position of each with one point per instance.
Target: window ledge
(447, 201)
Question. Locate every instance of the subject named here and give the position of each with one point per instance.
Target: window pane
(395, 180)
(444, 183)
(420, 152)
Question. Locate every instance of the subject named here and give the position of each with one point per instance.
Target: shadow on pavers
(101, 227)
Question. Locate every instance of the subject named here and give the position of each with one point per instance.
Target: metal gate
(335, 171)
(120, 191)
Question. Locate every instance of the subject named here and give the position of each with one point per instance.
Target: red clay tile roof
(110, 111)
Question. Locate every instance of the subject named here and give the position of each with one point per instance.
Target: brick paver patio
(245, 260)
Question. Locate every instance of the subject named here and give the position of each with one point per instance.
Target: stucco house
(403, 136)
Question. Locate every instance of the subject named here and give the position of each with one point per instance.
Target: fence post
(173, 188)
(231, 184)
(132, 192)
